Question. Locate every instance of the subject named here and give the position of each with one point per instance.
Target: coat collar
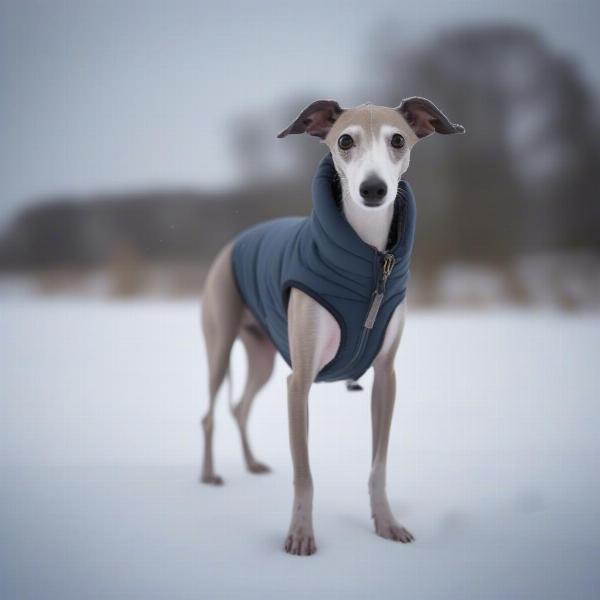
(331, 223)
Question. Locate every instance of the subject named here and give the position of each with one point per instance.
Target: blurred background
(138, 137)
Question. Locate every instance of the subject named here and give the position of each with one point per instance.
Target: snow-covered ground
(494, 463)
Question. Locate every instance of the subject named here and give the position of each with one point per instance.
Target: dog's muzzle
(373, 190)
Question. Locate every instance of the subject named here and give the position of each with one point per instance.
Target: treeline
(522, 181)
(156, 226)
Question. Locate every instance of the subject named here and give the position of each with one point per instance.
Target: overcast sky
(99, 96)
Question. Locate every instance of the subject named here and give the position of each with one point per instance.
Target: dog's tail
(352, 385)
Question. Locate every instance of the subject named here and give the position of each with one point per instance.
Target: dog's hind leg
(221, 315)
(261, 357)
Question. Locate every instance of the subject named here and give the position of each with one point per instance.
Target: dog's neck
(371, 224)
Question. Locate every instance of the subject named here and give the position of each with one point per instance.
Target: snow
(493, 463)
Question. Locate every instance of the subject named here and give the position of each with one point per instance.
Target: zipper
(387, 262)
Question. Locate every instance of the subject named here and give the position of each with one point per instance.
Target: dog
(327, 291)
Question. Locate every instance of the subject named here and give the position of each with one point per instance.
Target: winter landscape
(137, 139)
(493, 462)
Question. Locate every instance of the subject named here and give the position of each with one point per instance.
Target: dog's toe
(212, 479)
(400, 534)
(258, 468)
(394, 532)
(300, 545)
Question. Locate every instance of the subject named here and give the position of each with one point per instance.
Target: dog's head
(371, 145)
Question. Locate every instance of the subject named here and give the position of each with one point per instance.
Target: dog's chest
(324, 257)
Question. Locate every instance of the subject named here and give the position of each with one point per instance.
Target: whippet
(370, 150)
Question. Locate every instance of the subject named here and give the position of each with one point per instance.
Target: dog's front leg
(300, 539)
(314, 340)
(382, 408)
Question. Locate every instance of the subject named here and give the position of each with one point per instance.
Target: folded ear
(425, 117)
(316, 119)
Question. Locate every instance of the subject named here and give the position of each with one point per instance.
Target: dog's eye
(397, 141)
(345, 142)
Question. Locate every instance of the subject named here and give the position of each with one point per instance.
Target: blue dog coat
(324, 257)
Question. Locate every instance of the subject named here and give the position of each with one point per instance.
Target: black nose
(373, 190)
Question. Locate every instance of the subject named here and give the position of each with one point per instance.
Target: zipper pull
(387, 264)
(389, 260)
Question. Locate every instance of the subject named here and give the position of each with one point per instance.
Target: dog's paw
(211, 479)
(300, 544)
(258, 468)
(391, 530)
